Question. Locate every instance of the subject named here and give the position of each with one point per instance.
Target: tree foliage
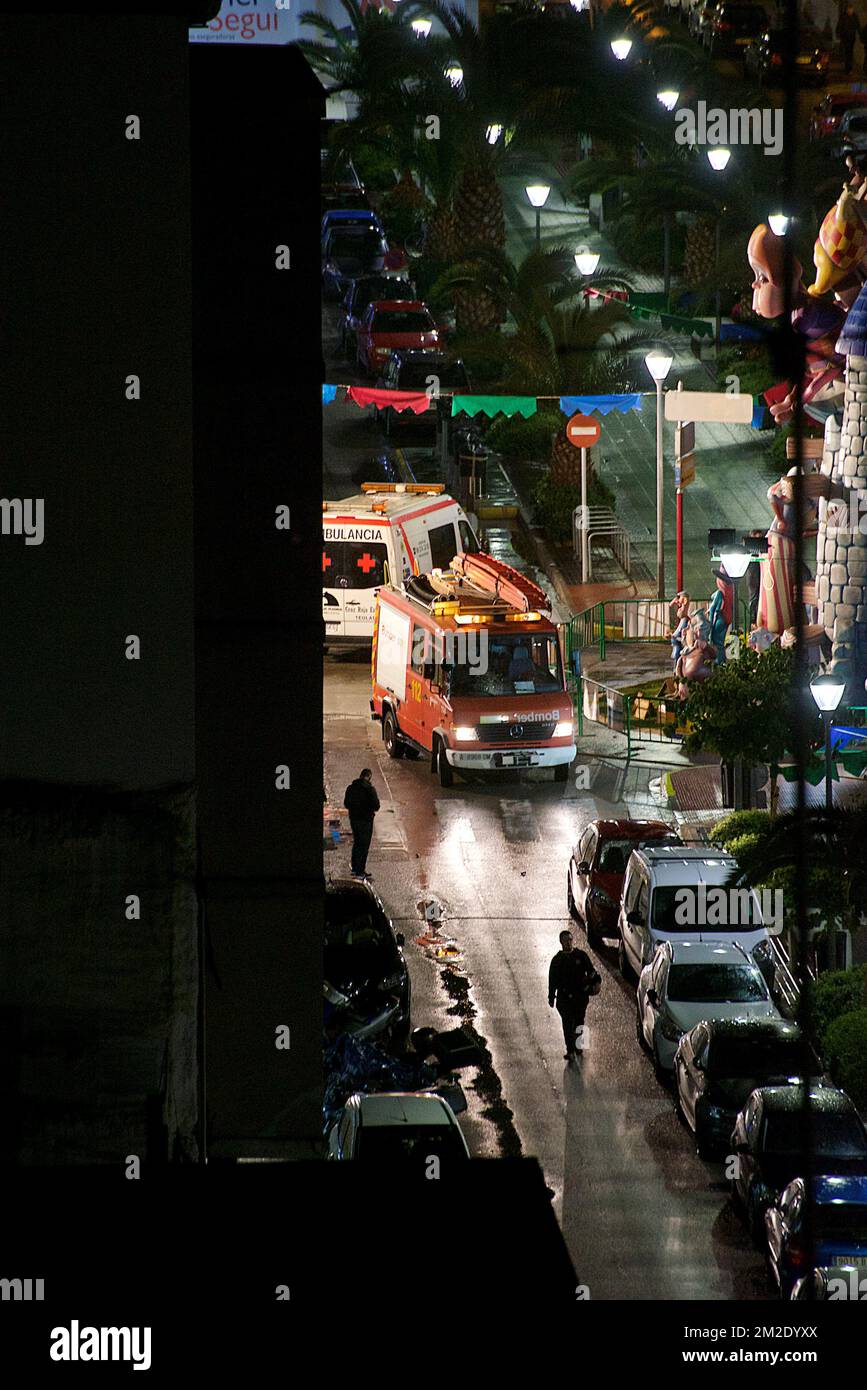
(745, 709)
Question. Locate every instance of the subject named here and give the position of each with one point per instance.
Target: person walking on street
(362, 803)
(571, 981)
(848, 30)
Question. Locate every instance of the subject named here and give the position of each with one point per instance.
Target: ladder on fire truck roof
(486, 585)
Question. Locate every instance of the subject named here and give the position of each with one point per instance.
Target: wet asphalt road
(643, 1216)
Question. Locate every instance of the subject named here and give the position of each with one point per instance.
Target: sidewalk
(733, 471)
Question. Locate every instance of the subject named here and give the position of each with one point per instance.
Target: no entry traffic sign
(582, 431)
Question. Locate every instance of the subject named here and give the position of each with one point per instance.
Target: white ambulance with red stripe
(385, 534)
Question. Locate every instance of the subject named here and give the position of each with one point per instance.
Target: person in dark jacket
(571, 978)
(848, 30)
(362, 803)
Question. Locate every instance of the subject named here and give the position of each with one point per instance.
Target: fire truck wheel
(444, 768)
(561, 772)
(390, 737)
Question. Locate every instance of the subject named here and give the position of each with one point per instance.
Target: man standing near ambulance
(362, 803)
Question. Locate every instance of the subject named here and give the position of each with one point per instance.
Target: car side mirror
(583, 867)
(429, 670)
(634, 918)
(653, 998)
(400, 938)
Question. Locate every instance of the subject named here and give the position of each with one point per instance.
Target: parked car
(656, 880)
(764, 58)
(767, 1140)
(597, 868)
(839, 1227)
(828, 112)
(363, 963)
(348, 252)
(852, 129)
(412, 369)
(690, 981)
(399, 1127)
(362, 292)
(831, 1283)
(699, 16)
(349, 218)
(730, 25)
(720, 1062)
(388, 324)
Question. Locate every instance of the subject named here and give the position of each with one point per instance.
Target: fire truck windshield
(515, 664)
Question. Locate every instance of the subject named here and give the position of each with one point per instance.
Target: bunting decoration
(328, 394)
(586, 405)
(494, 405)
(416, 401)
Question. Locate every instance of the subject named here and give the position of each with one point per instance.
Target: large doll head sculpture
(839, 251)
(766, 255)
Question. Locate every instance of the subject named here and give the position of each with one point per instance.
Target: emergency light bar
(421, 489)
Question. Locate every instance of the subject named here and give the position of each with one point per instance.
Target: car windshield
(841, 1221)
(401, 321)
(370, 290)
(350, 924)
(752, 1055)
(718, 984)
(834, 1136)
(416, 374)
(522, 664)
(743, 16)
(409, 1143)
(612, 856)
(355, 245)
(857, 123)
(683, 907)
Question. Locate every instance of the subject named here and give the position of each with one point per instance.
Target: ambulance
(467, 669)
(385, 534)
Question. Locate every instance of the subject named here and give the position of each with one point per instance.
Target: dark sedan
(718, 1064)
(767, 1141)
(839, 1228)
(368, 986)
(419, 369)
(765, 58)
(348, 252)
(729, 26)
(594, 881)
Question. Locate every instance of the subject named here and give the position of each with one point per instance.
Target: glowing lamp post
(586, 261)
(537, 193)
(659, 365)
(735, 562)
(621, 49)
(827, 691)
(421, 27)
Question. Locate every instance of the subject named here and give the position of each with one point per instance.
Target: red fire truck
(467, 667)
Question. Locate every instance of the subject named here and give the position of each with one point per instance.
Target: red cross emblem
(326, 561)
(366, 563)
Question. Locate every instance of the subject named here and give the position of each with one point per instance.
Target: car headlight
(563, 729)
(669, 1029)
(763, 952)
(464, 733)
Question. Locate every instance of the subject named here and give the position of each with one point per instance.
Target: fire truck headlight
(563, 729)
(464, 733)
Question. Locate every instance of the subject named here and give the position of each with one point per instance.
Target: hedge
(846, 1054)
(836, 993)
(739, 823)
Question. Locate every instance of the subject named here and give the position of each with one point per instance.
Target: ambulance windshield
(512, 664)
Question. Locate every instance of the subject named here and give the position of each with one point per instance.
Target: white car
(398, 1127)
(691, 981)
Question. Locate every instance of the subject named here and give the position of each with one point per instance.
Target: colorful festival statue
(720, 612)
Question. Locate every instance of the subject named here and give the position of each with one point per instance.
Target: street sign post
(709, 407)
(582, 431)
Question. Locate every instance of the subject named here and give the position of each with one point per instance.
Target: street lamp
(669, 98)
(421, 27)
(659, 365)
(621, 49)
(538, 196)
(493, 132)
(454, 73)
(719, 157)
(735, 562)
(827, 691)
(778, 223)
(586, 261)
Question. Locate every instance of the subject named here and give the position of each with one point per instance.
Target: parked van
(387, 533)
(468, 669)
(655, 908)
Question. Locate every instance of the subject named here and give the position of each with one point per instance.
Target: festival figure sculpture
(678, 633)
(696, 661)
(720, 612)
(777, 595)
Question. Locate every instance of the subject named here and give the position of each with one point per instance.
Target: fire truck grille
(530, 732)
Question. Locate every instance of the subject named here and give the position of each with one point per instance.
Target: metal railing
(631, 620)
(600, 524)
(651, 716)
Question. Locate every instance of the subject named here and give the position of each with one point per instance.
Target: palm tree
(554, 343)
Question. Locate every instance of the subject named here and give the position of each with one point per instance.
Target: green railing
(650, 716)
(629, 620)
